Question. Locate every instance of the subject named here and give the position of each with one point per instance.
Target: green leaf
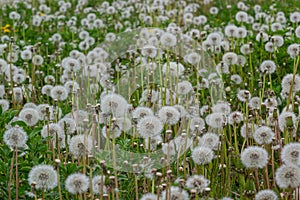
(34, 133)
(9, 115)
(19, 123)
(25, 169)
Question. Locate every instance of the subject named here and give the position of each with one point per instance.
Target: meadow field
(149, 100)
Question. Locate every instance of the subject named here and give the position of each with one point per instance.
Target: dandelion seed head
(222, 68)
(59, 92)
(246, 49)
(51, 130)
(270, 47)
(266, 195)
(236, 79)
(30, 116)
(288, 176)
(67, 123)
(210, 140)
(26, 55)
(276, 26)
(140, 112)
(44, 177)
(213, 10)
(149, 196)
(193, 58)
(235, 117)
(2, 91)
(197, 124)
(214, 38)
(18, 94)
(154, 141)
(149, 51)
(70, 64)
(202, 155)
(182, 143)
(184, 87)
(254, 103)
(30, 194)
(241, 32)
(229, 58)
(263, 135)
(42, 110)
(251, 130)
(293, 50)
(173, 69)
(230, 30)
(114, 104)
(12, 56)
(244, 95)
(286, 83)
(216, 120)
(37, 60)
(295, 17)
(46, 89)
(169, 148)
(124, 123)
(97, 182)
(277, 40)
(15, 137)
(271, 103)
(241, 16)
(71, 86)
(197, 182)
(254, 157)
(4, 104)
(149, 126)
(77, 183)
(83, 34)
(113, 131)
(18, 78)
(221, 107)
(287, 120)
(168, 40)
(175, 193)
(78, 145)
(169, 115)
(110, 10)
(268, 67)
(181, 109)
(290, 153)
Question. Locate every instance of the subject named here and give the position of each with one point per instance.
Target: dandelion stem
(115, 166)
(91, 183)
(252, 71)
(270, 79)
(292, 84)
(247, 124)
(257, 179)
(235, 140)
(136, 187)
(58, 183)
(43, 194)
(17, 175)
(11, 74)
